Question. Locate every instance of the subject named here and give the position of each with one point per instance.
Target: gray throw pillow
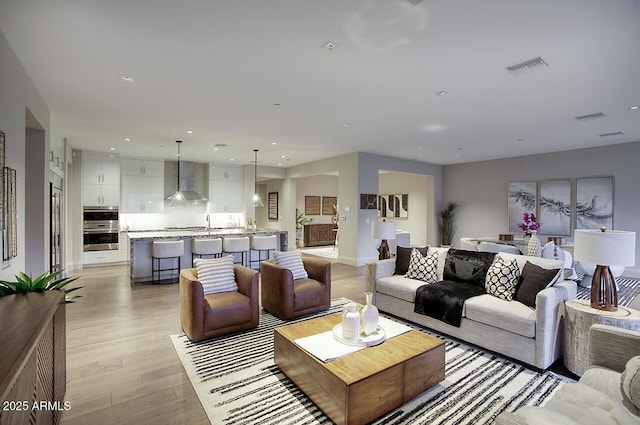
(533, 279)
(630, 385)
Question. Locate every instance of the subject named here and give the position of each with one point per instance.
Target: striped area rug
(238, 383)
(628, 289)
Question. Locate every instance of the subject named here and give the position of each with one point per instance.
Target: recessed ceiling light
(126, 78)
(420, 148)
(279, 163)
(231, 159)
(633, 108)
(127, 139)
(112, 148)
(329, 45)
(189, 131)
(283, 156)
(346, 124)
(274, 143)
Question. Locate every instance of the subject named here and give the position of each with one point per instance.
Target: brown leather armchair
(206, 316)
(288, 298)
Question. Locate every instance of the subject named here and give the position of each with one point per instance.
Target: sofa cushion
(511, 316)
(533, 280)
(216, 275)
(502, 278)
(403, 257)
(467, 266)
(442, 258)
(291, 260)
(399, 286)
(424, 268)
(545, 263)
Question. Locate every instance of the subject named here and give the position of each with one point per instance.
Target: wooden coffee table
(362, 386)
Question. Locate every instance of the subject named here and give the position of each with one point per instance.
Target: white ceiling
(218, 67)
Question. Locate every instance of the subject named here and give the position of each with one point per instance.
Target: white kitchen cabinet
(142, 186)
(142, 167)
(225, 189)
(100, 257)
(100, 180)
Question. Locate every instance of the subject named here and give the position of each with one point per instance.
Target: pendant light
(257, 202)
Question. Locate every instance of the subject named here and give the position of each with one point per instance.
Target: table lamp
(605, 248)
(383, 230)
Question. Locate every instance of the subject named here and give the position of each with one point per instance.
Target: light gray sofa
(599, 396)
(532, 336)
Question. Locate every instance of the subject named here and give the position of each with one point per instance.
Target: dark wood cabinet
(33, 362)
(320, 234)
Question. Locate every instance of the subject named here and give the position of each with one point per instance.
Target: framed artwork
(273, 205)
(522, 198)
(555, 207)
(368, 201)
(393, 206)
(10, 231)
(594, 203)
(312, 205)
(327, 205)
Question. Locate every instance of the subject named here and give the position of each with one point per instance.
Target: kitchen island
(140, 243)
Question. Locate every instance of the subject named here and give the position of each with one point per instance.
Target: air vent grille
(414, 2)
(616, 133)
(528, 66)
(220, 145)
(590, 116)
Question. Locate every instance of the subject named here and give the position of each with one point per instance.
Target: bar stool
(161, 250)
(200, 247)
(261, 244)
(236, 245)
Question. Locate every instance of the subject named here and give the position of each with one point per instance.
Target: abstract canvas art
(522, 198)
(594, 203)
(393, 206)
(555, 207)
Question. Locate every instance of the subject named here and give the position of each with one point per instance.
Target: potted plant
(47, 281)
(447, 223)
(301, 220)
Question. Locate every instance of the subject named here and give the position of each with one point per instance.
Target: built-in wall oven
(100, 228)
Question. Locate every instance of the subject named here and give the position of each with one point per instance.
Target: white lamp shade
(609, 248)
(383, 230)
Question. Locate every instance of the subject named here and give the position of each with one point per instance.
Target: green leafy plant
(447, 223)
(302, 219)
(47, 281)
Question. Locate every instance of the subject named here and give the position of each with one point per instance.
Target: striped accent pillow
(216, 274)
(291, 260)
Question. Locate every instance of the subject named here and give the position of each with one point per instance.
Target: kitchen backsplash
(179, 218)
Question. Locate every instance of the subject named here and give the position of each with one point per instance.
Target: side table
(579, 316)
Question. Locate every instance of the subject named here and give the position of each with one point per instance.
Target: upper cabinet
(225, 189)
(142, 186)
(100, 179)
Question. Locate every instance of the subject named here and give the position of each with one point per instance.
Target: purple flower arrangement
(529, 223)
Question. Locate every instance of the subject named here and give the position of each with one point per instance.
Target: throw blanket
(464, 275)
(445, 300)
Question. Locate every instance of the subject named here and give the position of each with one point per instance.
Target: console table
(579, 316)
(33, 362)
(319, 234)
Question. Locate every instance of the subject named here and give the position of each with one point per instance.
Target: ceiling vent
(525, 67)
(590, 116)
(414, 2)
(617, 133)
(220, 145)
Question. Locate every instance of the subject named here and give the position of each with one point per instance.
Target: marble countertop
(186, 233)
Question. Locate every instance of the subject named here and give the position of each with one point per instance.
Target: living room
(121, 365)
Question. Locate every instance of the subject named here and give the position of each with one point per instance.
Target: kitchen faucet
(208, 223)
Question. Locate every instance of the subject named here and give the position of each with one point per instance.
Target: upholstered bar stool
(201, 247)
(166, 250)
(262, 244)
(235, 245)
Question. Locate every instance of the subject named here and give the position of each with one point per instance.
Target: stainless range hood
(189, 181)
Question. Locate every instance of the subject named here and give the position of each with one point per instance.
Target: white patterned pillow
(423, 268)
(502, 278)
(291, 260)
(216, 274)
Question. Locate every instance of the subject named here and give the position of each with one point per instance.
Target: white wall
(17, 96)
(480, 188)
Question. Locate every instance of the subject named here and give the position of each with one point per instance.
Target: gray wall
(480, 188)
(19, 98)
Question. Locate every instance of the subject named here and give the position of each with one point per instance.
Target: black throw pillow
(467, 266)
(403, 255)
(533, 279)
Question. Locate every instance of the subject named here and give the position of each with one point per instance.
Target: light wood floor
(121, 365)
